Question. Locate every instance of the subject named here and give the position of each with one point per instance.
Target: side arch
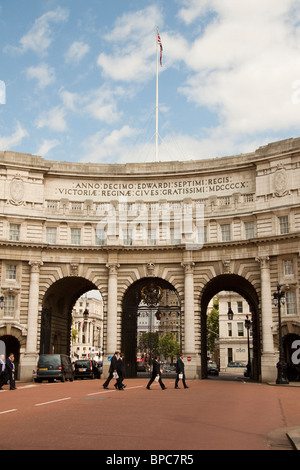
(240, 285)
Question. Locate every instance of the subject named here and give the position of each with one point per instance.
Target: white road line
(8, 411)
(110, 391)
(54, 401)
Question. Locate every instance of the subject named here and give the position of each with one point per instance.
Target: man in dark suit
(120, 371)
(180, 370)
(112, 369)
(10, 371)
(2, 372)
(156, 372)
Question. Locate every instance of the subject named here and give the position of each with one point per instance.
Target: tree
(168, 346)
(213, 326)
(148, 342)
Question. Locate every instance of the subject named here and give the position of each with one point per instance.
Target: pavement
(292, 434)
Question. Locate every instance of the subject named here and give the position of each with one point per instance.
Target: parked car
(212, 368)
(86, 369)
(236, 364)
(54, 367)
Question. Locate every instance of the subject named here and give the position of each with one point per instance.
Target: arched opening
(56, 318)
(151, 324)
(12, 345)
(238, 284)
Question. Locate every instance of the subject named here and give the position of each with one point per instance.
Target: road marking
(110, 391)
(8, 411)
(54, 401)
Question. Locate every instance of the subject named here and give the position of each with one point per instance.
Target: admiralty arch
(139, 231)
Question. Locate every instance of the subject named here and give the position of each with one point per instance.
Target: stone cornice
(140, 248)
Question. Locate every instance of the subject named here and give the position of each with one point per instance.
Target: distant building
(233, 346)
(88, 321)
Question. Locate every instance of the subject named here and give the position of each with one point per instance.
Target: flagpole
(156, 107)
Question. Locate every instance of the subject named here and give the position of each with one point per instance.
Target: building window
(288, 267)
(14, 232)
(9, 306)
(229, 325)
(240, 328)
(51, 235)
(75, 236)
(100, 236)
(284, 225)
(128, 237)
(11, 272)
(249, 230)
(291, 307)
(229, 355)
(226, 237)
(240, 306)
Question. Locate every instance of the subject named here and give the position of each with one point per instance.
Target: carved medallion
(280, 182)
(17, 190)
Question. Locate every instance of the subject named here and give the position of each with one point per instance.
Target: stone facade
(204, 226)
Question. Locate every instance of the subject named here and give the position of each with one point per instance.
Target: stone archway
(56, 318)
(151, 295)
(240, 285)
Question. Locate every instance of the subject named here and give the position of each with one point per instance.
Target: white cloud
(133, 42)
(12, 141)
(243, 66)
(47, 146)
(106, 148)
(101, 103)
(76, 52)
(53, 120)
(40, 35)
(43, 73)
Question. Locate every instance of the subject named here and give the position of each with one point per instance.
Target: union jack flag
(161, 48)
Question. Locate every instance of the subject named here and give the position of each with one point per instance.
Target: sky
(78, 79)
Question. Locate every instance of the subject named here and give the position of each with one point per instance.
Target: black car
(86, 369)
(212, 368)
(54, 367)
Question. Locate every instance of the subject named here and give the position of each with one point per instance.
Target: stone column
(112, 313)
(191, 366)
(29, 361)
(268, 359)
(33, 307)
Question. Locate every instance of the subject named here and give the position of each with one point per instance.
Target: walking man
(112, 369)
(120, 371)
(180, 371)
(156, 373)
(10, 369)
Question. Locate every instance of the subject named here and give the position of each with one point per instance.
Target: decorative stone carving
(17, 191)
(280, 182)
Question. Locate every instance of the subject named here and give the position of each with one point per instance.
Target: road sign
(189, 358)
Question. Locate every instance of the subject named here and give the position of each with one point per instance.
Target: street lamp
(278, 299)
(248, 326)
(230, 313)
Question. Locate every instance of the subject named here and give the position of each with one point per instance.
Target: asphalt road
(210, 414)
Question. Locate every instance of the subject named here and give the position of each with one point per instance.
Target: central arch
(148, 293)
(56, 319)
(240, 285)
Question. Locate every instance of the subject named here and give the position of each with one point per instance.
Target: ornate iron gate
(151, 325)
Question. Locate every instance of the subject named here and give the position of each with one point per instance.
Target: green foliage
(213, 326)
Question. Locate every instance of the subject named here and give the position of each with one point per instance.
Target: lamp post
(248, 326)
(278, 299)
